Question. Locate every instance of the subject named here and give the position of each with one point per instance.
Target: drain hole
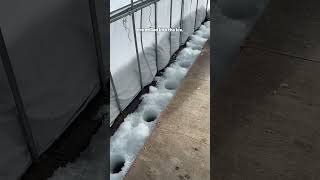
(150, 115)
(171, 85)
(117, 164)
(184, 64)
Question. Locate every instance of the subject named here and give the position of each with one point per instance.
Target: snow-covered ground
(132, 133)
(91, 165)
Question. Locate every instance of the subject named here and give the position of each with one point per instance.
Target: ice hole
(184, 64)
(150, 115)
(117, 163)
(171, 85)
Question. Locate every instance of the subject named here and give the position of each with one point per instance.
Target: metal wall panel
(52, 51)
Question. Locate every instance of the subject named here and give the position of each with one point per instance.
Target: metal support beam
(136, 45)
(130, 9)
(156, 34)
(115, 93)
(22, 116)
(97, 40)
(181, 21)
(195, 18)
(170, 27)
(207, 9)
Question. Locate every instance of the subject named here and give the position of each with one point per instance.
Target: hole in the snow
(171, 85)
(150, 115)
(184, 64)
(117, 164)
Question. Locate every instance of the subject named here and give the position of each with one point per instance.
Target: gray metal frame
(12, 82)
(21, 113)
(136, 44)
(195, 17)
(181, 21)
(156, 34)
(207, 8)
(170, 27)
(130, 9)
(115, 93)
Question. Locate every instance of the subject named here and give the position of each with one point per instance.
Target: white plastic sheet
(123, 57)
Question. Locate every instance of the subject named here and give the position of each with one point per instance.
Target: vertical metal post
(115, 93)
(22, 116)
(97, 40)
(141, 40)
(141, 43)
(170, 27)
(181, 21)
(156, 34)
(196, 14)
(207, 9)
(136, 45)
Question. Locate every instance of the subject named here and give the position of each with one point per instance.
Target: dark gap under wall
(70, 144)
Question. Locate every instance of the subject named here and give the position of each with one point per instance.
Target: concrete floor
(267, 114)
(179, 147)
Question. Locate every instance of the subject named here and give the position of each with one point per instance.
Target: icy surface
(132, 133)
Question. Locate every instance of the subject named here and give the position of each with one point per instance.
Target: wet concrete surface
(266, 115)
(179, 147)
(232, 20)
(290, 26)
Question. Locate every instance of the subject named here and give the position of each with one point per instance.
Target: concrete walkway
(267, 115)
(179, 147)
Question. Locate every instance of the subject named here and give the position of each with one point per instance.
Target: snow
(91, 163)
(130, 137)
(123, 57)
(132, 133)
